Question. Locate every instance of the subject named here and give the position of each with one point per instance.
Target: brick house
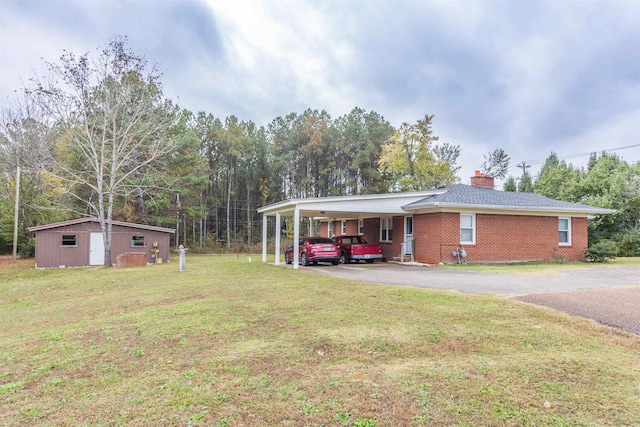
(428, 226)
(80, 243)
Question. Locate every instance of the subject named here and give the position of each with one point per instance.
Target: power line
(572, 156)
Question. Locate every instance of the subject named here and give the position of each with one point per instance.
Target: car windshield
(316, 240)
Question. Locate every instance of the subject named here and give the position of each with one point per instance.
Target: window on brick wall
(361, 226)
(386, 229)
(564, 231)
(344, 227)
(468, 228)
(329, 231)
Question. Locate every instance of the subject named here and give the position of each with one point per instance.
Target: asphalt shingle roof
(461, 194)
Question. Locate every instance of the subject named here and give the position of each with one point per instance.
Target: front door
(408, 235)
(96, 249)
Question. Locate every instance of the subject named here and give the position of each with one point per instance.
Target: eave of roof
(93, 219)
(583, 209)
(461, 196)
(317, 203)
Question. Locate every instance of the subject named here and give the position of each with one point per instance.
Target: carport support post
(278, 238)
(296, 236)
(265, 218)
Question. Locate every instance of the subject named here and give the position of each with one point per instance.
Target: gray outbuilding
(80, 243)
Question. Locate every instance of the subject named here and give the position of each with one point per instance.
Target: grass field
(232, 343)
(538, 267)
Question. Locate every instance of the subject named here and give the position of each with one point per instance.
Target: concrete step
(398, 259)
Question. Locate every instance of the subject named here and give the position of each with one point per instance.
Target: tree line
(607, 181)
(98, 138)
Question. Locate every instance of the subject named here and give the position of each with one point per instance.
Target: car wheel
(343, 258)
(287, 259)
(334, 262)
(303, 259)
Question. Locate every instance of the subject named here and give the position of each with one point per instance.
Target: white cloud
(529, 77)
(281, 53)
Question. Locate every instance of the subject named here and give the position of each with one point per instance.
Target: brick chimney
(482, 180)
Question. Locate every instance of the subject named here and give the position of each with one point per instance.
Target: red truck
(356, 248)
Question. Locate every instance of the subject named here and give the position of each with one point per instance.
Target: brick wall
(371, 228)
(324, 230)
(131, 259)
(499, 238)
(352, 227)
(392, 249)
(427, 231)
(371, 232)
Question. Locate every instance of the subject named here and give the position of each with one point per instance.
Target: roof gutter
(587, 210)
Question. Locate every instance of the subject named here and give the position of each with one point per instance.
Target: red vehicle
(356, 248)
(314, 250)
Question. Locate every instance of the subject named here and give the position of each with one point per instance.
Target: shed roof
(93, 219)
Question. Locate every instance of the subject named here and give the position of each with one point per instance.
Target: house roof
(92, 219)
(468, 196)
(458, 197)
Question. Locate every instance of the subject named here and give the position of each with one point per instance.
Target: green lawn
(540, 267)
(233, 343)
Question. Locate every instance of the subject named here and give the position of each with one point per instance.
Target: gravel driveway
(607, 294)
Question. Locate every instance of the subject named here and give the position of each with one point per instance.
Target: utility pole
(178, 221)
(15, 215)
(524, 166)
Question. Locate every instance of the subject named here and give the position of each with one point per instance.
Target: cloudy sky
(530, 77)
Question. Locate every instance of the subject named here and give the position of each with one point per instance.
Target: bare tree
(115, 124)
(496, 164)
(25, 136)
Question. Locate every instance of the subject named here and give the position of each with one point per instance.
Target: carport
(334, 208)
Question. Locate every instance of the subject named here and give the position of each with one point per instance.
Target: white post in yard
(264, 237)
(16, 210)
(183, 259)
(277, 238)
(296, 237)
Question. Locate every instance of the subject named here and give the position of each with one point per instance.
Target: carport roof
(455, 197)
(369, 205)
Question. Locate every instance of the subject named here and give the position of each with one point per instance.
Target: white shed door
(96, 249)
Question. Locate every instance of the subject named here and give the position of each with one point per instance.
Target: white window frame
(343, 228)
(568, 231)
(473, 229)
(361, 227)
(386, 225)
